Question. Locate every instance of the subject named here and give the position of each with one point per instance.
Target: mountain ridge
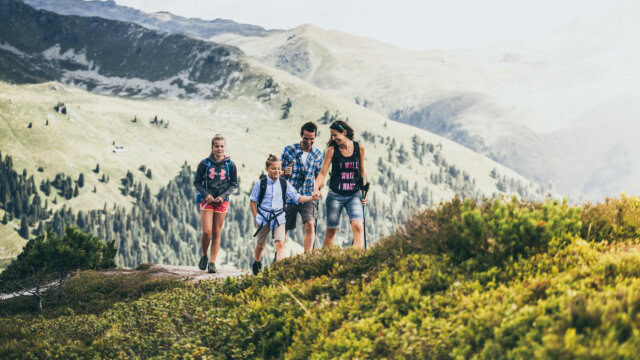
(163, 21)
(112, 57)
(526, 92)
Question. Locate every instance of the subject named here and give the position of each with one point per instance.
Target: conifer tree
(24, 227)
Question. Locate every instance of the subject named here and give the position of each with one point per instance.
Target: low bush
(502, 279)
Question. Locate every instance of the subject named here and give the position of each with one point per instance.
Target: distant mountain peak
(164, 21)
(112, 57)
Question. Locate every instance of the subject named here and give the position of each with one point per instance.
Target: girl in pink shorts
(216, 179)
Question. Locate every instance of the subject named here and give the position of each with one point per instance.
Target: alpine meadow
(486, 235)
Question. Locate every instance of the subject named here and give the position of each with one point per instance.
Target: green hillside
(501, 279)
(408, 168)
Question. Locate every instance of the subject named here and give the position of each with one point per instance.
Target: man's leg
(308, 213)
(290, 214)
(309, 234)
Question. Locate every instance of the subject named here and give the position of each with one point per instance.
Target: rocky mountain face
(111, 57)
(163, 21)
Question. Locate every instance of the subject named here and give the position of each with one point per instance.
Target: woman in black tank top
(346, 158)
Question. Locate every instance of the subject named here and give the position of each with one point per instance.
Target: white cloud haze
(410, 24)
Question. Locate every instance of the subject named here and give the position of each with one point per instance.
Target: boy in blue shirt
(268, 200)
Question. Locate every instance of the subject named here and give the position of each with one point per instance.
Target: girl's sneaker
(212, 268)
(203, 262)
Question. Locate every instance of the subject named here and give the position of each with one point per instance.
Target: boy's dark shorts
(306, 210)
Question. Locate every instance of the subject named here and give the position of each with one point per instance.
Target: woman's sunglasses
(337, 126)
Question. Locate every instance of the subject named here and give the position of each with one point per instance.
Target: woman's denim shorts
(335, 202)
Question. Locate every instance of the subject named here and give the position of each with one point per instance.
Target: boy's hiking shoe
(212, 268)
(203, 262)
(257, 265)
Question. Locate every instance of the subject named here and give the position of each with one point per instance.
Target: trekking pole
(315, 225)
(365, 190)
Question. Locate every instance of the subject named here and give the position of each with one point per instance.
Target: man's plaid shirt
(303, 176)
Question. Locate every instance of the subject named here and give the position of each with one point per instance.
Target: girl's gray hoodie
(216, 178)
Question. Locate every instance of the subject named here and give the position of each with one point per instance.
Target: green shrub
(49, 259)
(491, 233)
(502, 279)
(613, 220)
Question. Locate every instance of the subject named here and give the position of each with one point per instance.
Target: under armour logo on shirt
(222, 173)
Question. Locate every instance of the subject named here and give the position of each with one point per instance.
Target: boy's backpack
(263, 189)
(208, 164)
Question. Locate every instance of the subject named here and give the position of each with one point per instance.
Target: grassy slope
(12, 243)
(75, 142)
(408, 297)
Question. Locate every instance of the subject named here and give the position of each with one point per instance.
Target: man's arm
(286, 162)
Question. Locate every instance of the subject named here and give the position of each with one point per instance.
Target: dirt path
(183, 272)
(193, 273)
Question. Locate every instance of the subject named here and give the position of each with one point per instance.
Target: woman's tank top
(345, 171)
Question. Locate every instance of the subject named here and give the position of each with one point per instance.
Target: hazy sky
(412, 24)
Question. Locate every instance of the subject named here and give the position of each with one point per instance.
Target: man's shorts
(265, 231)
(223, 207)
(306, 210)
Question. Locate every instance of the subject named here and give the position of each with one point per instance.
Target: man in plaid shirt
(301, 163)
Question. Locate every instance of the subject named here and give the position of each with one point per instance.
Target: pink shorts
(223, 207)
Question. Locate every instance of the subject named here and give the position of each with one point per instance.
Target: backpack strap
(283, 186)
(263, 190)
(226, 168)
(208, 164)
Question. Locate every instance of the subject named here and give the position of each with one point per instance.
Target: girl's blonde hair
(271, 159)
(218, 137)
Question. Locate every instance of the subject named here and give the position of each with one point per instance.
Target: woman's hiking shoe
(203, 262)
(256, 267)
(212, 268)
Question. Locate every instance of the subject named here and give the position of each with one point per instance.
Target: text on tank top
(345, 171)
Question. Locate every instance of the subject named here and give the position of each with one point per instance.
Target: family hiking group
(279, 196)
